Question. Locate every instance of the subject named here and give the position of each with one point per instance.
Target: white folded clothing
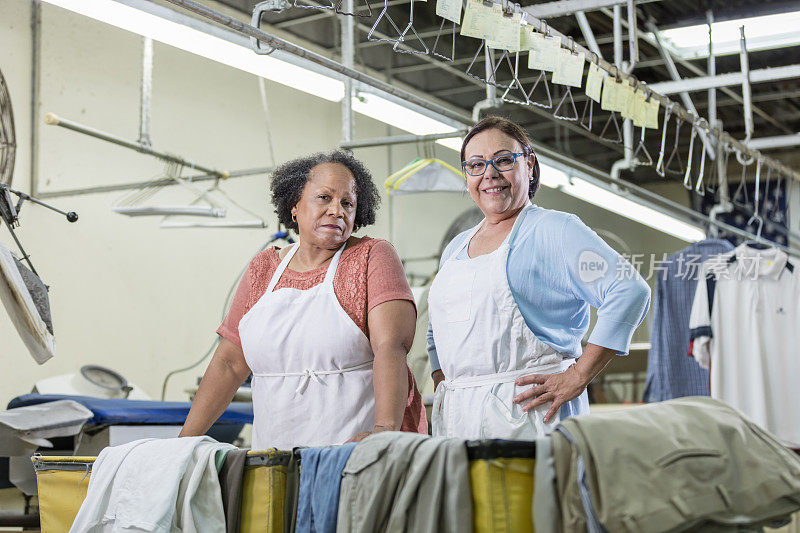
(154, 485)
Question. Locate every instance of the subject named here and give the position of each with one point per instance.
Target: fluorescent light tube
(399, 116)
(762, 33)
(628, 208)
(202, 44)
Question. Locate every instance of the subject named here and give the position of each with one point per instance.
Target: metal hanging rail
(400, 139)
(660, 203)
(665, 102)
(276, 42)
(54, 120)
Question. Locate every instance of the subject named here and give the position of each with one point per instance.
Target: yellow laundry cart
(501, 473)
(62, 483)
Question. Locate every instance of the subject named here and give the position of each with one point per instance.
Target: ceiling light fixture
(763, 33)
(613, 201)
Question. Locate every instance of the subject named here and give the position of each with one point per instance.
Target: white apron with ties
(484, 345)
(312, 366)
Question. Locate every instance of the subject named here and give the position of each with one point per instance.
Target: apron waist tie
(308, 374)
(467, 382)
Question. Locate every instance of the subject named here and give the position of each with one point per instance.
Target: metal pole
(746, 93)
(282, 44)
(587, 32)
(400, 139)
(633, 38)
(36, 47)
(618, 36)
(54, 120)
(348, 60)
(673, 72)
(147, 91)
(138, 185)
(694, 69)
(722, 171)
(712, 71)
(276, 42)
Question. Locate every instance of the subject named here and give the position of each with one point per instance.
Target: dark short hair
(513, 130)
(290, 178)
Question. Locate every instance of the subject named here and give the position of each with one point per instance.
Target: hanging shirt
(745, 327)
(670, 373)
(557, 269)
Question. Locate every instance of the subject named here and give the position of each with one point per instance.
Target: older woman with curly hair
(324, 325)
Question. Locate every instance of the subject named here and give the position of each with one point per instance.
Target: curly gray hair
(290, 178)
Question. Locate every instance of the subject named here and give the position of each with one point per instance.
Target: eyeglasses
(502, 163)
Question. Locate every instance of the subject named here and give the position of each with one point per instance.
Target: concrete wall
(142, 300)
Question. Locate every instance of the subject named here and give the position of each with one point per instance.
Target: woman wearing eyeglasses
(510, 304)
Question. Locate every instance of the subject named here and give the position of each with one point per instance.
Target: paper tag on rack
(505, 30)
(477, 20)
(569, 69)
(640, 108)
(449, 9)
(526, 34)
(626, 100)
(608, 102)
(543, 54)
(651, 113)
(594, 82)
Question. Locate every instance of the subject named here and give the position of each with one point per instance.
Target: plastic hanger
(425, 175)
(642, 148)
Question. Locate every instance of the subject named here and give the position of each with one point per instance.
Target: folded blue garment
(320, 478)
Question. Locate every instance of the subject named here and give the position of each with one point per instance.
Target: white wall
(139, 299)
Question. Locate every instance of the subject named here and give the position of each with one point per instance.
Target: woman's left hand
(566, 386)
(358, 437)
(556, 388)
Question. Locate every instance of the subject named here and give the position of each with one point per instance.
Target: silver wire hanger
(612, 119)
(516, 85)
(402, 39)
(542, 78)
(436, 43)
(328, 5)
(742, 188)
(338, 10)
(687, 177)
(642, 148)
(756, 207)
(699, 187)
(660, 165)
(568, 93)
(589, 105)
(674, 154)
(383, 14)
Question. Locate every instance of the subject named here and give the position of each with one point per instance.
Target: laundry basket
(501, 474)
(62, 484)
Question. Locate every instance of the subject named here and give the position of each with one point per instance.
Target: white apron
(312, 366)
(484, 344)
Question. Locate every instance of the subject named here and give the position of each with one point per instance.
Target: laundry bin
(62, 484)
(501, 475)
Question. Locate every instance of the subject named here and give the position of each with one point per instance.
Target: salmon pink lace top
(369, 274)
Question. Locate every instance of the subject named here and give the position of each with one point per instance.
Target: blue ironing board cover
(137, 411)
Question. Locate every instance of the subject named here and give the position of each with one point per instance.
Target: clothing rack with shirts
(743, 329)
